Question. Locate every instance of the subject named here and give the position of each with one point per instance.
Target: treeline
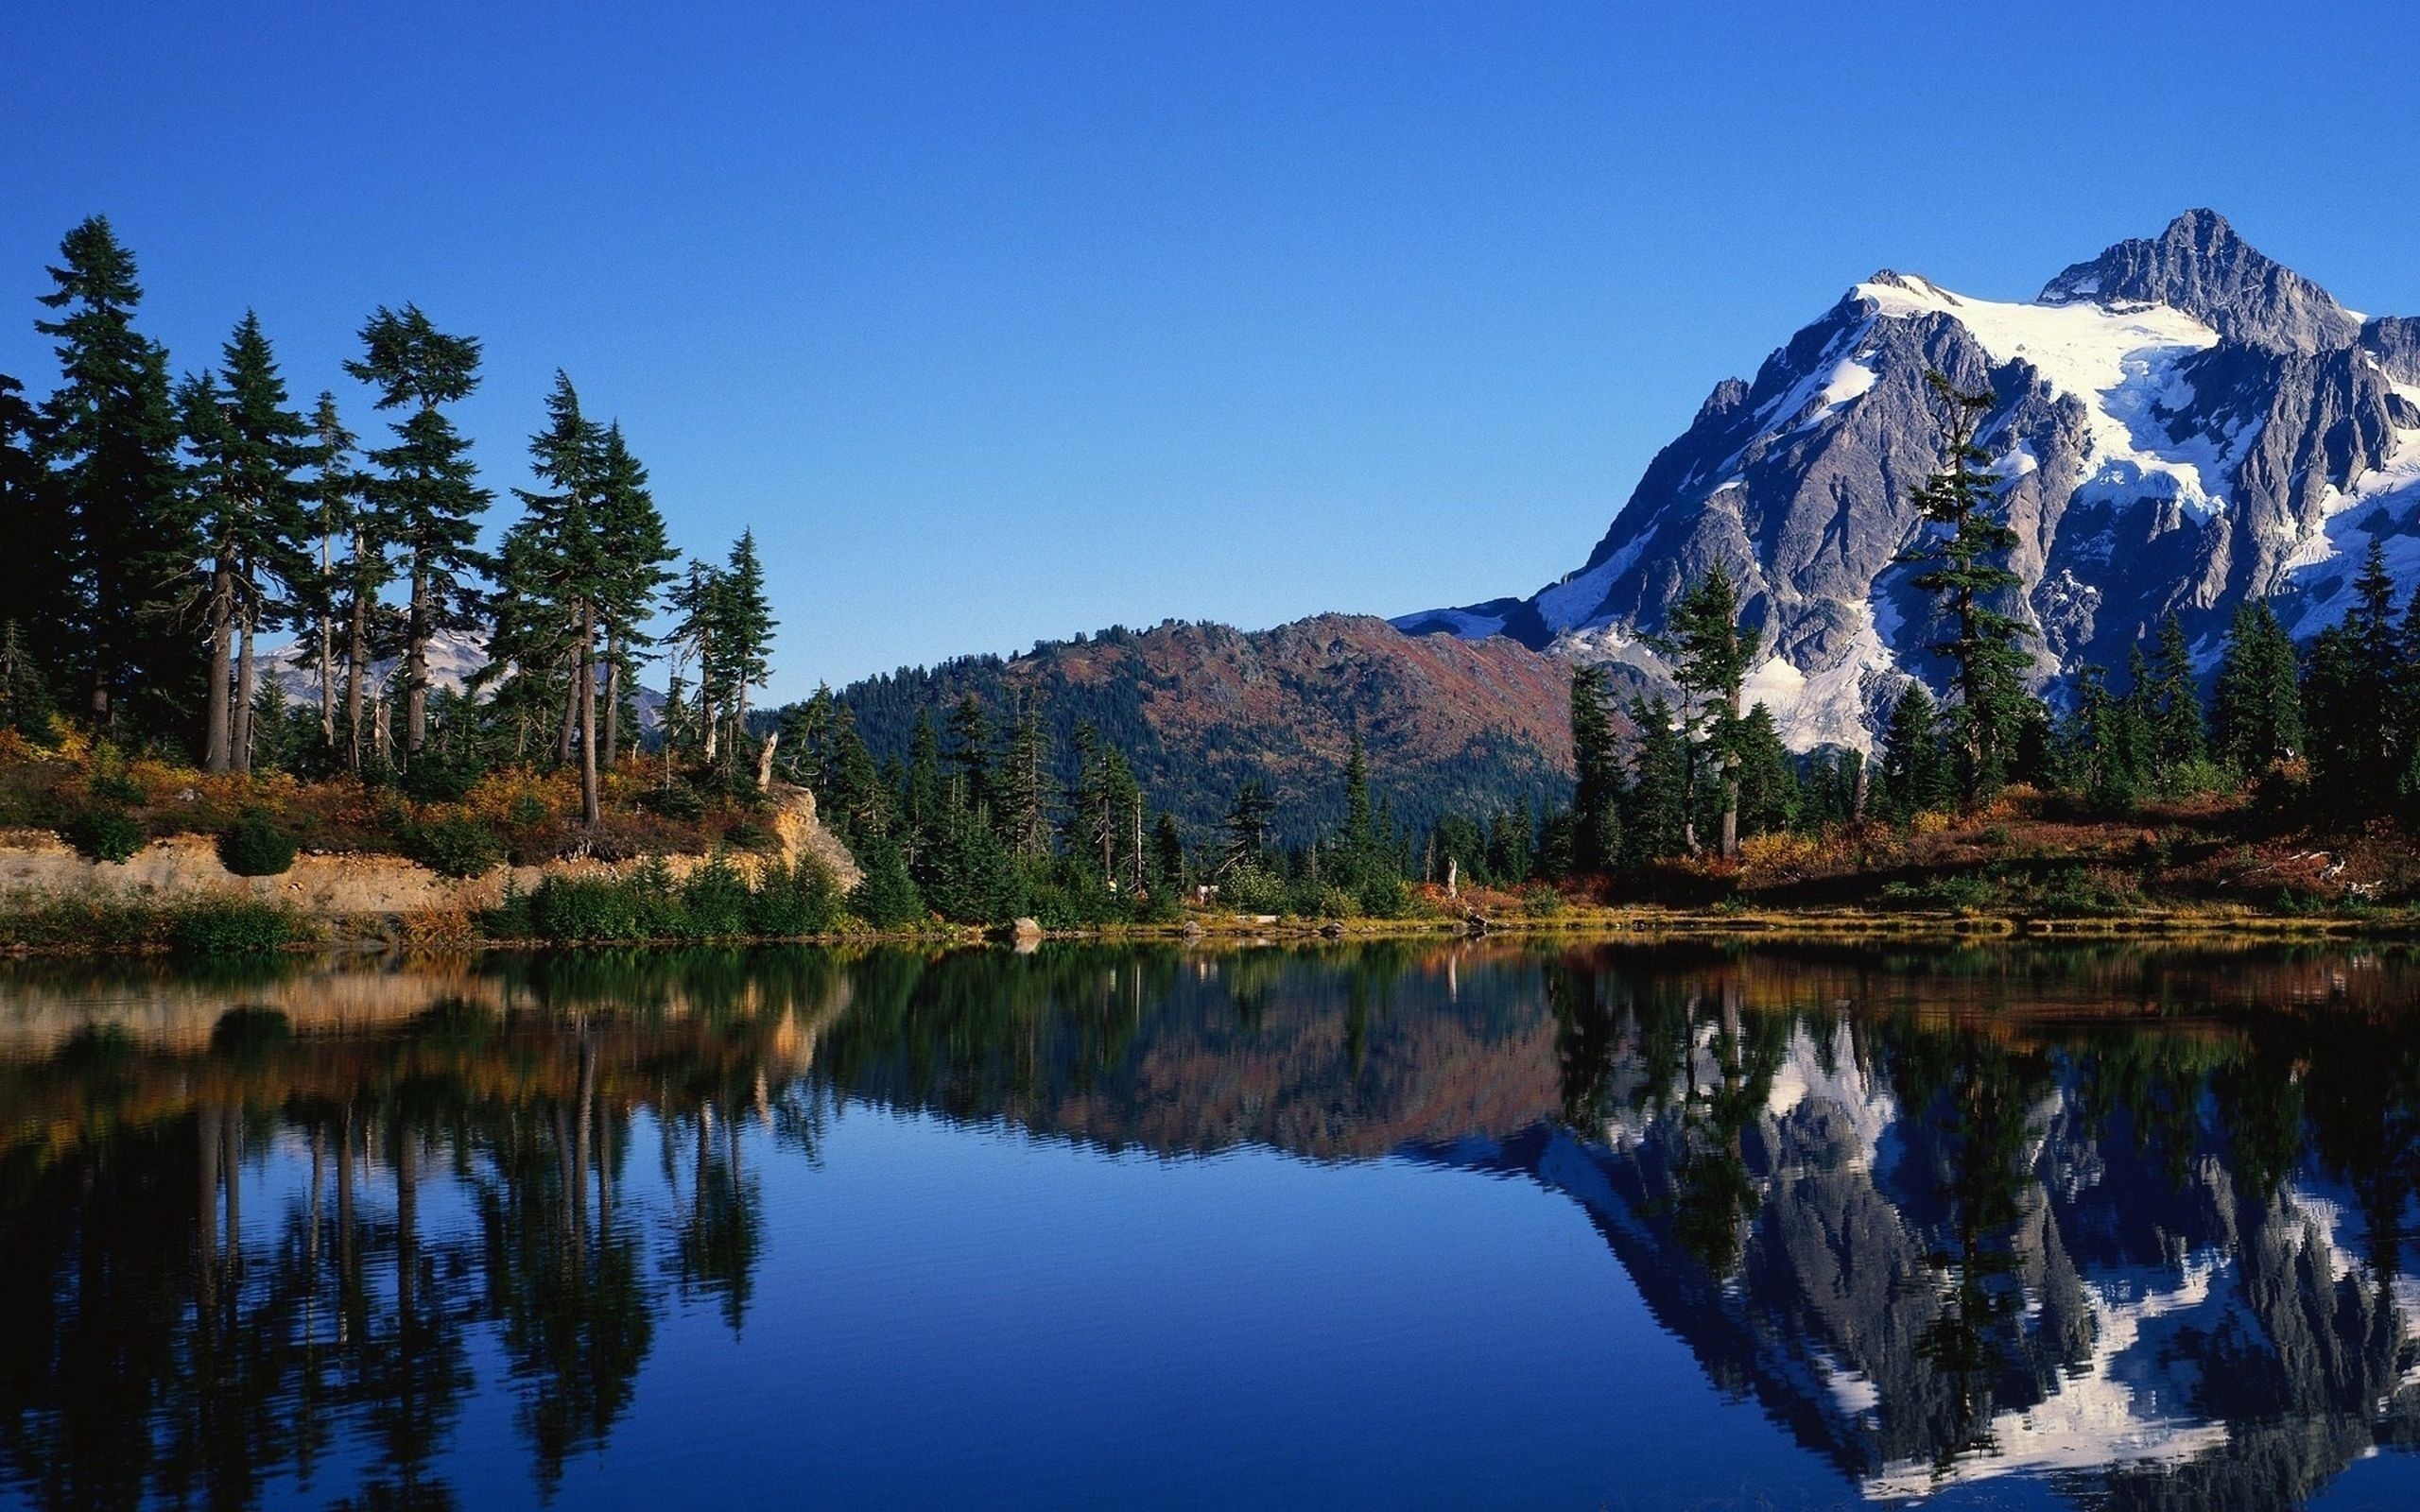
(154, 529)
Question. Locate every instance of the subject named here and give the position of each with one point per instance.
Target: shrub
(1251, 890)
(752, 834)
(255, 846)
(104, 835)
(794, 899)
(436, 778)
(226, 926)
(1385, 897)
(887, 897)
(456, 846)
(714, 897)
(1542, 902)
(677, 802)
(642, 905)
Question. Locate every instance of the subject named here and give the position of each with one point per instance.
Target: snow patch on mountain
(2118, 362)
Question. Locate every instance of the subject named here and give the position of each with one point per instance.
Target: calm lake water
(1452, 1226)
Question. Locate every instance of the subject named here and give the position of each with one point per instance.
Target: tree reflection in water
(1944, 1216)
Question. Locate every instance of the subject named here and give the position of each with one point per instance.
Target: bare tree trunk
(571, 714)
(592, 812)
(327, 650)
(216, 726)
(706, 718)
(356, 655)
(245, 675)
(612, 751)
(1857, 792)
(416, 669)
(765, 762)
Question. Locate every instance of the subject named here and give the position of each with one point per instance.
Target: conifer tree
(427, 502)
(1245, 834)
(1712, 653)
(34, 580)
(696, 600)
(1024, 787)
(638, 556)
(2256, 706)
(2177, 732)
(746, 627)
(2353, 691)
(970, 755)
(1654, 821)
(349, 574)
(1766, 789)
(247, 447)
(1964, 566)
(1914, 772)
(1596, 839)
(108, 437)
(1356, 844)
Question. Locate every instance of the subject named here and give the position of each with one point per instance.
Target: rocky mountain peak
(2202, 266)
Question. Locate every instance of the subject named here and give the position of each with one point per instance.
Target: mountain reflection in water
(2103, 1228)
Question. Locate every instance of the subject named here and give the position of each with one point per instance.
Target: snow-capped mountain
(2181, 422)
(454, 658)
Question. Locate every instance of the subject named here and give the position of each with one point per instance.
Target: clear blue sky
(1004, 321)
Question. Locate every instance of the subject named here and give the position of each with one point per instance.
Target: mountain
(454, 657)
(2181, 422)
(1449, 725)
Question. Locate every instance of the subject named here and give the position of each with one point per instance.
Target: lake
(1451, 1226)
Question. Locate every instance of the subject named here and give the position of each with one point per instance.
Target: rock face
(2181, 422)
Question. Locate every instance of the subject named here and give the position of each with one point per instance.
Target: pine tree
(426, 505)
(1356, 844)
(696, 603)
(638, 556)
(1712, 653)
(1596, 839)
(247, 447)
(1245, 834)
(35, 573)
(2355, 690)
(2177, 733)
(1024, 787)
(970, 756)
(554, 576)
(1964, 567)
(350, 573)
(1767, 789)
(747, 628)
(25, 696)
(109, 436)
(1655, 818)
(2256, 706)
(1913, 773)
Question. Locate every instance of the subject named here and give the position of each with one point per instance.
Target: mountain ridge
(2181, 422)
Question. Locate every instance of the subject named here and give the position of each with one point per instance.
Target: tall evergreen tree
(1244, 836)
(638, 560)
(1655, 817)
(970, 755)
(1712, 652)
(2256, 706)
(1964, 565)
(746, 627)
(34, 556)
(1023, 786)
(1597, 794)
(2177, 732)
(427, 500)
(247, 446)
(2354, 690)
(1914, 772)
(109, 435)
(350, 573)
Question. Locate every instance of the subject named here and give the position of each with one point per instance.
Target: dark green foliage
(1766, 780)
(885, 896)
(232, 926)
(440, 777)
(1913, 774)
(1597, 794)
(457, 846)
(104, 835)
(25, 692)
(1711, 653)
(2256, 712)
(256, 846)
(2178, 739)
(109, 620)
(426, 501)
(1655, 816)
(1964, 567)
(645, 905)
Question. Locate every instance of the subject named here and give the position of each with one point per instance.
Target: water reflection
(2131, 1226)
